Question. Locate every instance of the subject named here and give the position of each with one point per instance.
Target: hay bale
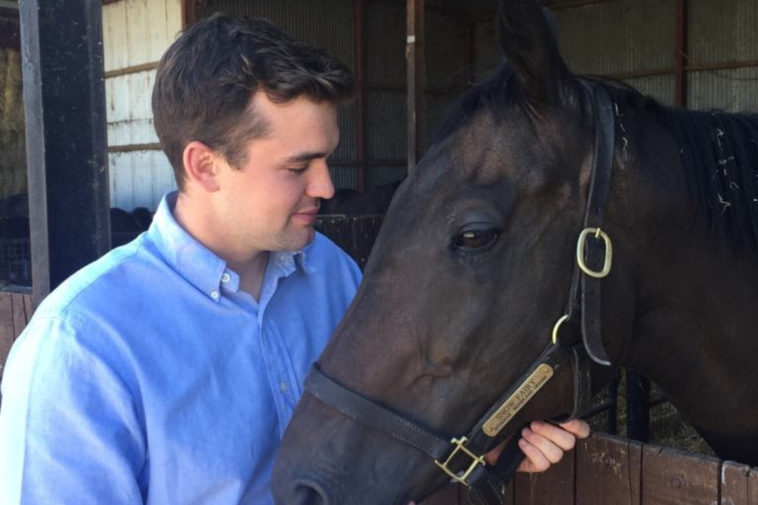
(12, 142)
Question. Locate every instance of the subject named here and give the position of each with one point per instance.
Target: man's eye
(298, 170)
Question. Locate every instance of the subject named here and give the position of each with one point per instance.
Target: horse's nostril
(307, 493)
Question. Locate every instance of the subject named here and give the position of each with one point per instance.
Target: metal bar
(401, 88)
(416, 79)
(692, 67)
(572, 4)
(650, 72)
(722, 65)
(680, 51)
(130, 148)
(360, 99)
(398, 162)
(4, 4)
(134, 69)
(64, 106)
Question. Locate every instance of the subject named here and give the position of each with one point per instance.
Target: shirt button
(214, 294)
(226, 277)
(283, 386)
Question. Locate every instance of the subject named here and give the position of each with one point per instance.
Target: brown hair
(206, 80)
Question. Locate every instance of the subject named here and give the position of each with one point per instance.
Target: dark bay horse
(453, 332)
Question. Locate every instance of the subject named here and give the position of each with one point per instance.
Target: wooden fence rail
(606, 470)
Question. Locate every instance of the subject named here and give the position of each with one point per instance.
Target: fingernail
(526, 432)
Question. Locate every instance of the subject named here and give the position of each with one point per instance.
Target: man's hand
(544, 444)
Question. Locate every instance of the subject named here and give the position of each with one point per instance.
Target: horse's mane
(719, 155)
(719, 150)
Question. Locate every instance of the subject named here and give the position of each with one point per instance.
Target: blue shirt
(148, 376)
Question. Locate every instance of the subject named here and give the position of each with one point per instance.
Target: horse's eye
(475, 239)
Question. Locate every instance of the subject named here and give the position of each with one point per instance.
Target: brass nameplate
(518, 399)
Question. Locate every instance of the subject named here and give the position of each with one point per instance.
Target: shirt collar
(198, 264)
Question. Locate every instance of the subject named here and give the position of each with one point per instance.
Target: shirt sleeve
(70, 429)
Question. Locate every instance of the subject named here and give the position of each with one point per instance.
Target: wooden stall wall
(15, 312)
(605, 470)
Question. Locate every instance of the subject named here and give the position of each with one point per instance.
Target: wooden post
(64, 106)
(360, 98)
(416, 78)
(680, 54)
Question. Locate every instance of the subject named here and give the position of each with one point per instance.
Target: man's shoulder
(110, 277)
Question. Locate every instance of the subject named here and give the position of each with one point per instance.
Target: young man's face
(270, 202)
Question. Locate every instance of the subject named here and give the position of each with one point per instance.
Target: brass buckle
(599, 234)
(475, 461)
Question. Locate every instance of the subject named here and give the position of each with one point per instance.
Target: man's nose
(321, 185)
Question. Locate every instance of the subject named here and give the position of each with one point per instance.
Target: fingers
(544, 444)
(578, 427)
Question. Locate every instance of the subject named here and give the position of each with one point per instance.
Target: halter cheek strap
(461, 458)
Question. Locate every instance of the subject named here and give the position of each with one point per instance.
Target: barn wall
(135, 35)
(722, 32)
(635, 42)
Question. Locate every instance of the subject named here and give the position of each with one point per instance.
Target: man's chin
(302, 238)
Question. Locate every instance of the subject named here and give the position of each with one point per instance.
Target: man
(166, 371)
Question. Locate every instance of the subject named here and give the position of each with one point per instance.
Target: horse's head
(472, 269)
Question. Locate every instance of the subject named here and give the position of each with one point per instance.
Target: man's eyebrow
(306, 156)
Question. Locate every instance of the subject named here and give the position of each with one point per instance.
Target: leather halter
(462, 458)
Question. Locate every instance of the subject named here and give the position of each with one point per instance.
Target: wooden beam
(359, 22)
(416, 79)
(680, 52)
(189, 12)
(67, 164)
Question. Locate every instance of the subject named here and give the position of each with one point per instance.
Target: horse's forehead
(486, 150)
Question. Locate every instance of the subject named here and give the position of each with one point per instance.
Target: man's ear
(201, 165)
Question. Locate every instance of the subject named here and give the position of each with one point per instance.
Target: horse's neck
(685, 302)
(695, 335)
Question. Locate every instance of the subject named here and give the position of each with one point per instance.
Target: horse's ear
(526, 34)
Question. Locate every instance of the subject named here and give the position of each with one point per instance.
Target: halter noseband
(462, 457)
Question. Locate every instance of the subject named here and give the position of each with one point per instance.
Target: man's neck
(250, 266)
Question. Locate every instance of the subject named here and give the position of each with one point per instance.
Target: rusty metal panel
(447, 51)
(344, 176)
(327, 23)
(487, 55)
(733, 90)
(722, 31)
(437, 111)
(385, 44)
(386, 174)
(618, 37)
(660, 87)
(386, 128)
